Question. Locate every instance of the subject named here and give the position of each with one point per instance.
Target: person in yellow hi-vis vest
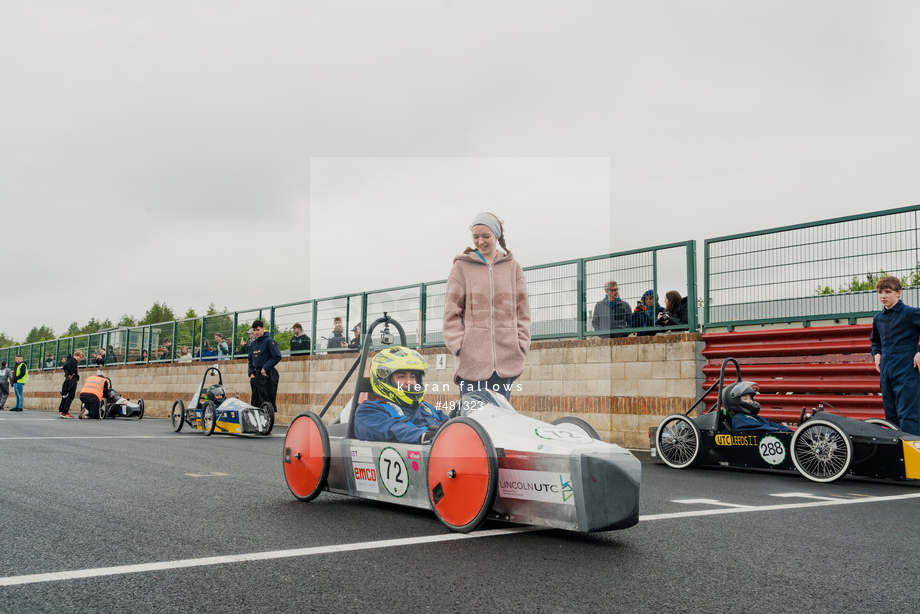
(94, 390)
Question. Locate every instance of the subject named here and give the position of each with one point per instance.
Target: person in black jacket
(263, 356)
(675, 310)
(71, 377)
(300, 343)
(355, 343)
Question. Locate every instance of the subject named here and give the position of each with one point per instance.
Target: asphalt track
(127, 516)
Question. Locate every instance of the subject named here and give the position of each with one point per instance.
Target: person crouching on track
(400, 414)
(738, 400)
(263, 376)
(94, 390)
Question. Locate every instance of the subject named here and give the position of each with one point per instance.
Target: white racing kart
(116, 406)
(488, 462)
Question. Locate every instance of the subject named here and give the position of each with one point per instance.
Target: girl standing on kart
(486, 315)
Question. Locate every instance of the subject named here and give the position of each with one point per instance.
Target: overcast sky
(250, 154)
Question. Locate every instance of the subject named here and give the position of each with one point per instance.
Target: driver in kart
(400, 414)
(216, 394)
(738, 400)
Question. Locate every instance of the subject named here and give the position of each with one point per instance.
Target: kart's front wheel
(177, 415)
(268, 417)
(462, 474)
(140, 408)
(580, 425)
(678, 441)
(103, 408)
(306, 456)
(821, 451)
(208, 418)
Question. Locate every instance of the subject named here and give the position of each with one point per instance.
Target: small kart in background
(211, 409)
(824, 447)
(117, 406)
(488, 462)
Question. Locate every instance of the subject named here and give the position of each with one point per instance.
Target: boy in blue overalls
(895, 335)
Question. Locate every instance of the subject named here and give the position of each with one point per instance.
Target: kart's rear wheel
(140, 408)
(579, 424)
(306, 456)
(462, 474)
(678, 441)
(821, 451)
(177, 415)
(268, 414)
(208, 417)
(103, 408)
(881, 422)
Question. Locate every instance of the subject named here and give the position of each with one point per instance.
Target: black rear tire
(177, 415)
(678, 441)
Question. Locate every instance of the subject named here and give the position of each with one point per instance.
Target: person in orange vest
(94, 390)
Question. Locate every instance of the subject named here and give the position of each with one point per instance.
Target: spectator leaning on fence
(223, 348)
(300, 343)
(646, 312)
(486, 314)
(263, 376)
(612, 312)
(675, 310)
(895, 336)
(337, 340)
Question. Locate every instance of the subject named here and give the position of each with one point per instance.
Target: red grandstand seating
(800, 367)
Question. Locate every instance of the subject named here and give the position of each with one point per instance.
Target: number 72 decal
(393, 472)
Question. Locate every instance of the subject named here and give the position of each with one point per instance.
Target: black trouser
(264, 388)
(92, 404)
(68, 393)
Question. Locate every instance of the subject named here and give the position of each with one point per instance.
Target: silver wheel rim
(677, 442)
(821, 451)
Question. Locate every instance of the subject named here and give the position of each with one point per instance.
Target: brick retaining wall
(620, 386)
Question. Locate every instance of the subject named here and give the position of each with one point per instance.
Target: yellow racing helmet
(398, 358)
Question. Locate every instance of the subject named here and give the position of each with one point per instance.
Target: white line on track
(256, 556)
(709, 502)
(805, 495)
(103, 437)
(393, 543)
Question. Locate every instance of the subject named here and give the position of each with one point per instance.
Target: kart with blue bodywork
(486, 462)
(824, 447)
(212, 409)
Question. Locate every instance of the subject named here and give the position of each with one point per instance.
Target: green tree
(73, 330)
(6, 341)
(190, 314)
(94, 326)
(158, 313)
(42, 333)
(127, 320)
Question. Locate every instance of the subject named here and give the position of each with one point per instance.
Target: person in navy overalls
(895, 336)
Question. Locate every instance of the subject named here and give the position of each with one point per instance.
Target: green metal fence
(818, 271)
(562, 298)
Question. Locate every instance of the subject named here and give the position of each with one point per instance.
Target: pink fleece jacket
(486, 317)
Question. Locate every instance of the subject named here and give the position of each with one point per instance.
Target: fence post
(692, 318)
(581, 291)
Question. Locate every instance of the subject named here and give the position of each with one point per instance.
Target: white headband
(487, 219)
